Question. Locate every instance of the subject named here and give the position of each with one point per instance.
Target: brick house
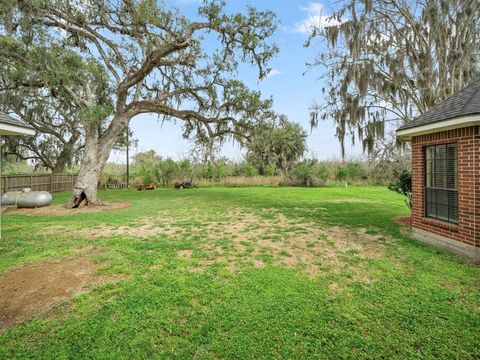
(446, 173)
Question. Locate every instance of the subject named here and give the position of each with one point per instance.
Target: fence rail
(45, 182)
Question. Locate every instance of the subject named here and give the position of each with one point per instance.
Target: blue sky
(293, 93)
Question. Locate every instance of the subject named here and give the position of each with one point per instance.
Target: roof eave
(13, 130)
(450, 124)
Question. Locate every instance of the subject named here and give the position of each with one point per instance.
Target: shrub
(245, 169)
(355, 172)
(402, 184)
(269, 170)
(308, 173)
(221, 171)
(341, 173)
(323, 173)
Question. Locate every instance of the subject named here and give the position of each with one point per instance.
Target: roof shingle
(464, 102)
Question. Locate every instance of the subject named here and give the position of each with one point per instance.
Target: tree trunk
(63, 159)
(96, 152)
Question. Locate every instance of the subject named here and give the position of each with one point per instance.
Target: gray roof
(7, 119)
(464, 102)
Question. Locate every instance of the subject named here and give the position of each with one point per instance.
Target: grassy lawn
(245, 273)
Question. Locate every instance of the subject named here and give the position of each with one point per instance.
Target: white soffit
(450, 124)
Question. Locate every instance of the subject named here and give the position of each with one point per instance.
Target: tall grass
(243, 181)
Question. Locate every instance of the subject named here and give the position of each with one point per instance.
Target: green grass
(248, 273)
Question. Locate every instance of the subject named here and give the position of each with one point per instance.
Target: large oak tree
(156, 61)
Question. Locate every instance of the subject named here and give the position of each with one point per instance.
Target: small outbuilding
(446, 173)
(11, 126)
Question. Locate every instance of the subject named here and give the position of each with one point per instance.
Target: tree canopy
(155, 60)
(275, 145)
(390, 60)
(38, 77)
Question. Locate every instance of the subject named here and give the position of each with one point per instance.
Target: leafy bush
(402, 184)
(323, 173)
(221, 170)
(308, 173)
(355, 171)
(245, 169)
(341, 173)
(270, 170)
(352, 171)
(218, 170)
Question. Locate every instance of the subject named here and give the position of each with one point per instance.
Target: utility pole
(128, 160)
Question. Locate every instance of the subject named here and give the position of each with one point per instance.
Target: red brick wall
(468, 172)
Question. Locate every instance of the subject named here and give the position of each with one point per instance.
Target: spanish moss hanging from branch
(392, 59)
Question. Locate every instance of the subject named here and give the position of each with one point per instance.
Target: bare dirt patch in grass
(141, 231)
(91, 250)
(290, 242)
(258, 264)
(185, 254)
(240, 237)
(55, 210)
(33, 290)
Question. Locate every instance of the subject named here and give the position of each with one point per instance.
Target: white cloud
(314, 19)
(272, 73)
(312, 8)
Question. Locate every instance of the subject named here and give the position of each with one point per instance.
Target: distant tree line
(148, 167)
(275, 152)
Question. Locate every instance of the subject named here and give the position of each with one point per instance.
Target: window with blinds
(441, 198)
